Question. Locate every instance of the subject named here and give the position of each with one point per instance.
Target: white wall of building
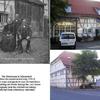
(1, 5)
(82, 23)
(87, 22)
(46, 7)
(10, 8)
(9, 11)
(57, 65)
(58, 74)
(87, 25)
(61, 76)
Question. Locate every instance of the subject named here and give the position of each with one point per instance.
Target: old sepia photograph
(24, 31)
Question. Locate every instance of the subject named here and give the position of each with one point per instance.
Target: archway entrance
(69, 25)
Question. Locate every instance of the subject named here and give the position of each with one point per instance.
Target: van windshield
(67, 36)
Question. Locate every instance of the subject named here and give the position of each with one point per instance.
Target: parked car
(68, 39)
(88, 86)
(98, 83)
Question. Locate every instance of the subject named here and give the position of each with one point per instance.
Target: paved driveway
(64, 94)
(88, 45)
(80, 45)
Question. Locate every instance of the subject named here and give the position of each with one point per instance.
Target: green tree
(86, 64)
(57, 9)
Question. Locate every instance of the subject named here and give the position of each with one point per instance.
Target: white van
(68, 39)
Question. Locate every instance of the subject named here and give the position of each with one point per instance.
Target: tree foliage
(57, 9)
(86, 64)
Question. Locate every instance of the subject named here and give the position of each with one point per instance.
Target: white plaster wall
(11, 8)
(87, 22)
(57, 65)
(83, 22)
(60, 79)
(1, 6)
(46, 7)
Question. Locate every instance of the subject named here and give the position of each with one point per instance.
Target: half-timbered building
(82, 17)
(61, 72)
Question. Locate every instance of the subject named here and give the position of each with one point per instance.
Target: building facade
(6, 10)
(31, 10)
(61, 72)
(46, 17)
(83, 18)
(46, 7)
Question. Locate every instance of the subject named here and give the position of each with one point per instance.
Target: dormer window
(98, 11)
(68, 9)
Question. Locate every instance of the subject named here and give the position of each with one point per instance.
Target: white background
(40, 72)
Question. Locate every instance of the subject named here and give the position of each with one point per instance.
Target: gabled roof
(84, 7)
(66, 58)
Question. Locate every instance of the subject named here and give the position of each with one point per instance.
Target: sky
(95, 0)
(55, 53)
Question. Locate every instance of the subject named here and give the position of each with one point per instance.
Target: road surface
(64, 94)
(81, 45)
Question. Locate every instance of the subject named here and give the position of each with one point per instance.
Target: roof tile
(84, 7)
(66, 57)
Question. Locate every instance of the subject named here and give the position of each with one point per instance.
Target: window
(62, 72)
(56, 74)
(68, 9)
(98, 11)
(97, 32)
(0, 17)
(3, 18)
(52, 75)
(89, 30)
(68, 70)
(67, 36)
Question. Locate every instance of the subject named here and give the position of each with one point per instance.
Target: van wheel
(74, 47)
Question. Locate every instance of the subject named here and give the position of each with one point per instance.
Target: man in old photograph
(24, 31)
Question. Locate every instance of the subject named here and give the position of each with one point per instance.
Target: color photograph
(75, 74)
(75, 24)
